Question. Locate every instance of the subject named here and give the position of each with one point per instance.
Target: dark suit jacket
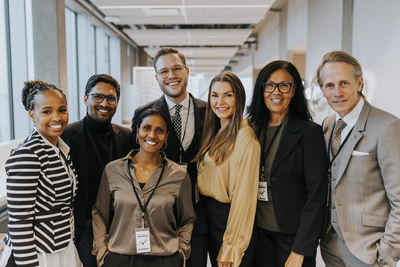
(299, 184)
(173, 145)
(75, 136)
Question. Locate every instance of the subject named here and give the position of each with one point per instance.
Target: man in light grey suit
(363, 143)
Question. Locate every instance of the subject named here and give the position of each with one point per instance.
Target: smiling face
(222, 101)
(340, 87)
(103, 111)
(172, 83)
(152, 133)
(50, 114)
(277, 102)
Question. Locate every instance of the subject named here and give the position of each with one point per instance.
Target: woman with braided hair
(41, 185)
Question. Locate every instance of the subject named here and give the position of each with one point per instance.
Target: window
(6, 131)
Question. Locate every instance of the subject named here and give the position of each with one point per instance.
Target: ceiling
(210, 33)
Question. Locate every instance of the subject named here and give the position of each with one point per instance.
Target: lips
(103, 110)
(222, 109)
(276, 100)
(173, 83)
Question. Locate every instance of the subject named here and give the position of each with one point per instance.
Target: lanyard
(264, 153)
(181, 150)
(143, 207)
(328, 202)
(70, 176)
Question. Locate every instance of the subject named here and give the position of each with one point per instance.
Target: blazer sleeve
(245, 166)
(316, 181)
(388, 155)
(185, 216)
(23, 171)
(100, 219)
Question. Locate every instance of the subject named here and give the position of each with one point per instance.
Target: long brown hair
(220, 144)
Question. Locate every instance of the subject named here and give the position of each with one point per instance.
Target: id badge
(262, 191)
(142, 240)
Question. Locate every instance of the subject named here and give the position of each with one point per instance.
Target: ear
(293, 90)
(85, 100)
(360, 83)
(31, 115)
(187, 70)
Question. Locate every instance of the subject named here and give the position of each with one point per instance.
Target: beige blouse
(235, 181)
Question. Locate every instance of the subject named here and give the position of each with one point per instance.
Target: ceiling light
(162, 12)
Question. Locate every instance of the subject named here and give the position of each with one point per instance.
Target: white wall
(324, 32)
(297, 23)
(376, 44)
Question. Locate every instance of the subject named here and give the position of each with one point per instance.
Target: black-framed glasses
(98, 98)
(177, 69)
(283, 88)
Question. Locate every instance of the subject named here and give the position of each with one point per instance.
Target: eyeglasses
(283, 88)
(177, 69)
(98, 98)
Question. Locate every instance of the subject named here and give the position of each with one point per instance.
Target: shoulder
(309, 126)
(122, 130)
(26, 153)
(380, 116)
(174, 170)
(200, 104)
(72, 128)
(246, 134)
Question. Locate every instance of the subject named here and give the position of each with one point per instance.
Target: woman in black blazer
(41, 185)
(293, 179)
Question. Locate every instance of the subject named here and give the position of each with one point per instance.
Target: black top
(101, 150)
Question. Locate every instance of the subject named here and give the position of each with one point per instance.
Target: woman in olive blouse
(151, 199)
(228, 173)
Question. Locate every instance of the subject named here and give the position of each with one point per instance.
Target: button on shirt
(190, 127)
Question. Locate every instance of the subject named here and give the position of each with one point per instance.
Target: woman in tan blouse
(228, 173)
(150, 197)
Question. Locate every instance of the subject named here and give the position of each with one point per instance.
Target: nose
(338, 91)
(171, 73)
(152, 133)
(104, 102)
(220, 100)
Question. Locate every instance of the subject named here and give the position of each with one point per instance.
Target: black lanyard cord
(143, 207)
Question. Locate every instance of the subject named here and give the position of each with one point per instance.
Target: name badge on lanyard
(262, 191)
(142, 234)
(142, 240)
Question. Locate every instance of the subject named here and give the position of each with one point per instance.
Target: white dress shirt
(350, 119)
(188, 127)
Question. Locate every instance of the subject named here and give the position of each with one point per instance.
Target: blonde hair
(220, 145)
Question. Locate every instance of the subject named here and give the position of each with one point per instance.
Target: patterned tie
(177, 120)
(337, 135)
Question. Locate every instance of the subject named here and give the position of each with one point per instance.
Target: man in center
(187, 117)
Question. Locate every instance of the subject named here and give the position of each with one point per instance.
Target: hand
(225, 264)
(294, 260)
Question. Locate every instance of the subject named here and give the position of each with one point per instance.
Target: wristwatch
(382, 262)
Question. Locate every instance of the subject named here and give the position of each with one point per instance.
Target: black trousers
(119, 260)
(217, 216)
(273, 249)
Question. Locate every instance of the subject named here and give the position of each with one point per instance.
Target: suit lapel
(290, 138)
(352, 141)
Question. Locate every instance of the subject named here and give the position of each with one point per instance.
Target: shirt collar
(61, 145)
(184, 103)
(351, 118)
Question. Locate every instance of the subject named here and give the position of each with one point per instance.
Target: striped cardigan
(39, 200)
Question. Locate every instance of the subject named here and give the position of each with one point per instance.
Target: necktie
(177, 120)
(337, 134)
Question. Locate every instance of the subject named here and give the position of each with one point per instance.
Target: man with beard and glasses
(94, 142)
(187, 117)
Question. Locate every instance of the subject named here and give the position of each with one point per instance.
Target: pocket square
(359, 153)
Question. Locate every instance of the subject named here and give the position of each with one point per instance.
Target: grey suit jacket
(366, 185)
